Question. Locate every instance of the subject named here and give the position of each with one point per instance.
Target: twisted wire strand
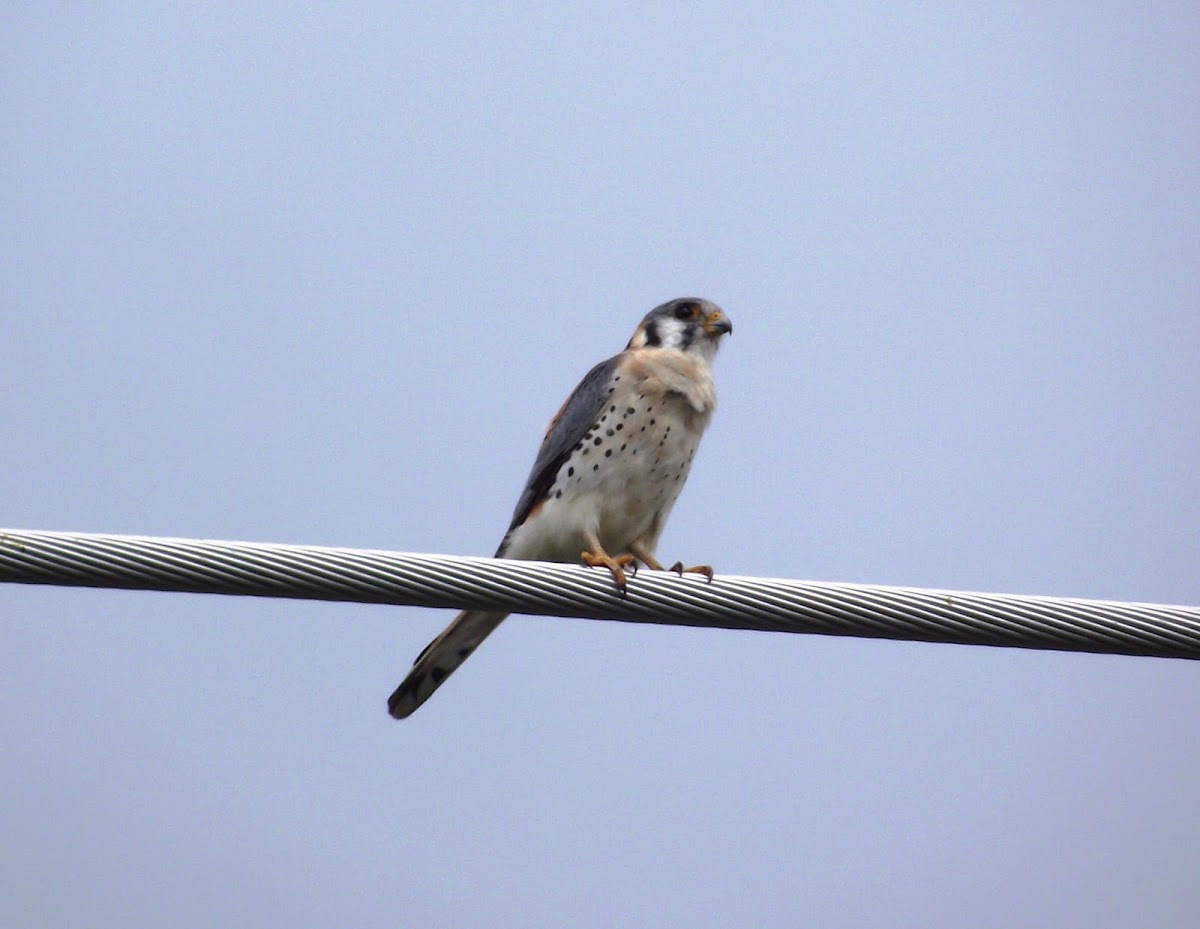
(729, 602)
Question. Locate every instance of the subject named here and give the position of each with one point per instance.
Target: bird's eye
(687, 311)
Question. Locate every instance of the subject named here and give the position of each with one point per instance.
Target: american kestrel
(607, 474)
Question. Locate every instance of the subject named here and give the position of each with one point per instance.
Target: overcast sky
(323, 275)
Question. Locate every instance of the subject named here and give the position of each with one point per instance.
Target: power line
(368, 576)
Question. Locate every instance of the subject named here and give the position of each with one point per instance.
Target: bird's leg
(595, 556)
(643, 555)
(705, 569)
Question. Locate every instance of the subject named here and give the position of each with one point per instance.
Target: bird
(607, 474)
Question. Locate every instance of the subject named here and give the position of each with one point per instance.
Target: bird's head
(687, 324)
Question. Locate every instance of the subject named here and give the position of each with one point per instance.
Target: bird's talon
(704, 569)
(615, 566)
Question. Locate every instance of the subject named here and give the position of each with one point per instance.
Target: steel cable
(729, 602)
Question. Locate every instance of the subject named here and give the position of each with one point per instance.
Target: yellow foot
(601, 558)
(704, 569)
(643, 555)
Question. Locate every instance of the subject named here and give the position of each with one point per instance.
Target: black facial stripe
(689, 333)
(652, 339)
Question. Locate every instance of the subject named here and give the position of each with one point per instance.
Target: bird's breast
(620, 481)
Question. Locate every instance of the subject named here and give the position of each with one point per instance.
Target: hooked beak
(718, 324)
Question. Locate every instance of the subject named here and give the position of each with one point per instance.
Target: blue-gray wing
(565, 431)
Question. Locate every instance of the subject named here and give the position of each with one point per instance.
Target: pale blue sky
(322, 275)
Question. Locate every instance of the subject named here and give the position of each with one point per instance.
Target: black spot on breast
(608, 453)
(570, 472)
(595, 467)
(597, 440)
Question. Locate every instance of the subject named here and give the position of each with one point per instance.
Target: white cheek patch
(666, 332)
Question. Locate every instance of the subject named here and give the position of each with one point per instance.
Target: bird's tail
(439, 659)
